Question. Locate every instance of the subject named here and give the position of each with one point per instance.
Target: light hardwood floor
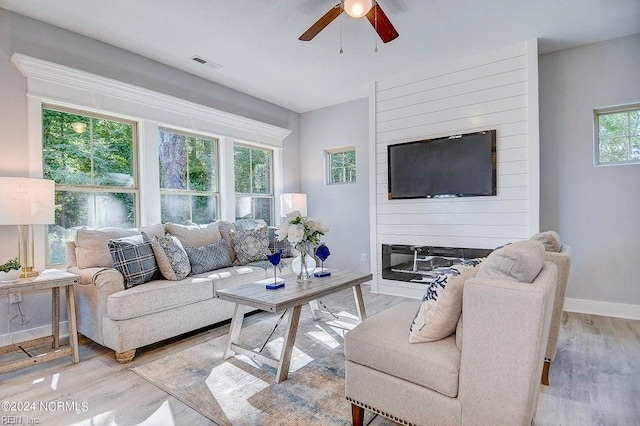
(595, 379)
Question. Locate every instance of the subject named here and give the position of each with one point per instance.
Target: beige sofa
(127, 319)
(492, 379)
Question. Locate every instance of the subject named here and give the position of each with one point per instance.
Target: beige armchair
(493, 379)
(562, 260)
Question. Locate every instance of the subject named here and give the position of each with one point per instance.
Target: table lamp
(27, 202)
(290, 202)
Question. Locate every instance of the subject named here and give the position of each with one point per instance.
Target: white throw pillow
(441, 305)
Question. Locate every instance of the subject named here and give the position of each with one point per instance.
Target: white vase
(10, 277)
(303, 266)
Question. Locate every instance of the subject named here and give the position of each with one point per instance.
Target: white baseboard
(22, 335)
(607, 309)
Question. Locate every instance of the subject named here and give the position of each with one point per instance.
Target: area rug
(241, 391)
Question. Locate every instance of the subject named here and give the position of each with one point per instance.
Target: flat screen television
(452, 166)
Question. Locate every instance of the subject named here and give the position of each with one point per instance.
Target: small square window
(341, 165)
(617, 136)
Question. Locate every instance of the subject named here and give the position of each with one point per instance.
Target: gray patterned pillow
(133, 257)
(172, 260)
(250, 245)
(207, 258)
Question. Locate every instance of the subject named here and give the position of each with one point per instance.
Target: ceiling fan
(356, 9)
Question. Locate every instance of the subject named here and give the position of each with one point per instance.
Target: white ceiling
(257, 43)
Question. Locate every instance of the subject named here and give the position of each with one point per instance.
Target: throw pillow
(208, 258)
(246, 224)
(172, 260)
(550, 239)
(226, 229)
(441, 305)
(195, 235)
(133, 257)
(92, 249)
(521, 261)
(250, 245)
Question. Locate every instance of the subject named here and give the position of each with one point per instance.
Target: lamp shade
(291, 202)
(27, 201)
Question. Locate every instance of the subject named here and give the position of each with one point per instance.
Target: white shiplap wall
(496, 90)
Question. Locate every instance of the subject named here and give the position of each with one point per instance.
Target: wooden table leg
(287, 345)
(55, 316)
(71, 319)
(357, 295)
(234, 330)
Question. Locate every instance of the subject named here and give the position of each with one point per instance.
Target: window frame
(596, 135)
(190, 192)
(328, 166)
(271, 194)
(95, 189)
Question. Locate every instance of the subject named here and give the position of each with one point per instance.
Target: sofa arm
(506, 326)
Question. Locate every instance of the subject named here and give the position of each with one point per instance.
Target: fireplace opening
(420, 264)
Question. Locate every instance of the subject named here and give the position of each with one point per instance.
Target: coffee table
(292, 296)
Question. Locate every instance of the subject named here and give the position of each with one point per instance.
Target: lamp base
(28, 272)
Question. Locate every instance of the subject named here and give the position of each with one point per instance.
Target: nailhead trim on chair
(382, 413)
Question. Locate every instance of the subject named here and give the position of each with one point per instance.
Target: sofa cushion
(250, 245)
(153, 230)
(157, 296)
(208, 258)
(441, 305)
(521, 261)
(275, 245)
(381, 342)
(134, 258)
(550, 239)
(171, 257)
(92, 249)
(195, 235)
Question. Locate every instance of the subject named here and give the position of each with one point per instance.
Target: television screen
(453, 166)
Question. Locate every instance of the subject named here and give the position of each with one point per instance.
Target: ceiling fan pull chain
(375, 36)
(341, 19)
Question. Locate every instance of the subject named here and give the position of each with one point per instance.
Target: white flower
(295, 234)
(316, 225)
(283, 231)
(293, 216)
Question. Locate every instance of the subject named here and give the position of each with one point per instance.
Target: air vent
(204, 61)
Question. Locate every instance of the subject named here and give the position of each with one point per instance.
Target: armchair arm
(506, 326)
(562, 260)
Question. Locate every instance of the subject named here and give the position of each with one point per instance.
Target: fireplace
(420, 264)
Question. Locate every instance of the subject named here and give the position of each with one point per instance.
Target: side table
(54, 280)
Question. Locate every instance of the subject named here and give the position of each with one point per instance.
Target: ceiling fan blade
(326, 19)
(384, 28)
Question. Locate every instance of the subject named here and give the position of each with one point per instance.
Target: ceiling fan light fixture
(357, 8)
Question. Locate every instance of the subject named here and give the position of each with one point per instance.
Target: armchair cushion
(521, 261)
(441, 305)
(550, 239)
(381, 343)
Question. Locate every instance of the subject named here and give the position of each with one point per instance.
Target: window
(92, 160)
(188, 178)
(618, 135)
(253, 183)
(341, 165)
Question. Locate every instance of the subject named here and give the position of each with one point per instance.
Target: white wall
(19, 34)
(493, 90)
(344, 208)
(596, 210)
